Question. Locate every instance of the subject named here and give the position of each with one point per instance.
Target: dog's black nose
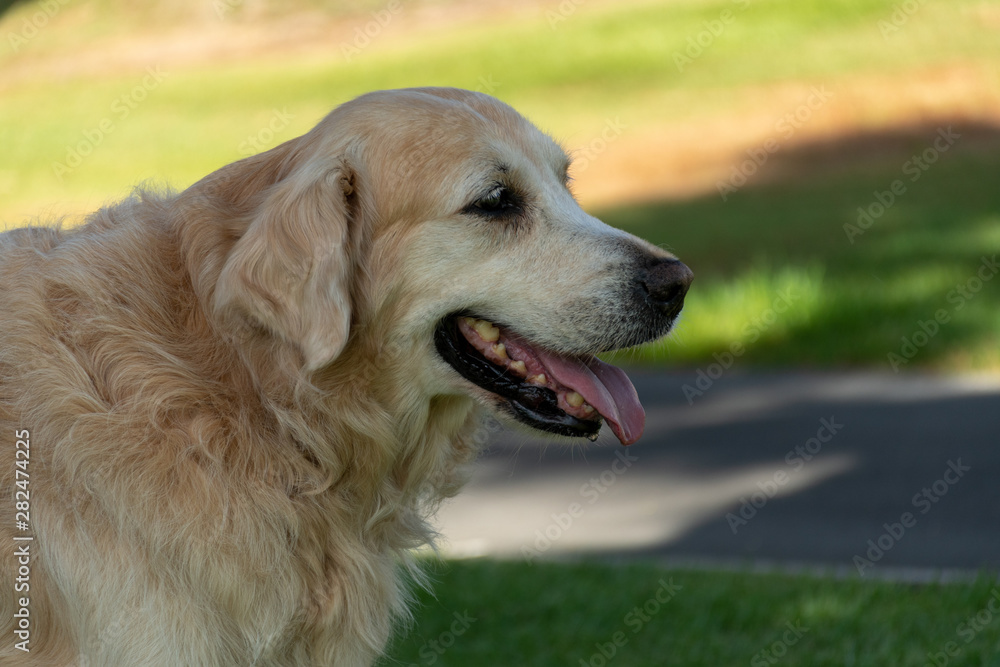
(664, 283)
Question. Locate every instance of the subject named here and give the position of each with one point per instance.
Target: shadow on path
(787, 467)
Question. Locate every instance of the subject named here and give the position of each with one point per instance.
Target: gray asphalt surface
(858, 472)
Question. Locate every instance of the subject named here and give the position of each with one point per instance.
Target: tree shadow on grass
(902, 224)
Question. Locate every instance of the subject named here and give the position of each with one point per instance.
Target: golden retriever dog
(229, 414)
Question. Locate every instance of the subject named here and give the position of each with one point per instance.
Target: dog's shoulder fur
(206, 495)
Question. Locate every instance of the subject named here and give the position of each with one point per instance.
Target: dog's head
(440, 223)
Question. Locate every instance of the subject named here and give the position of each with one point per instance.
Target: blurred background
(829, 169)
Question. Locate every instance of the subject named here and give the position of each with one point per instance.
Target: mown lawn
(567, 70)
(787, 275)
(496, 614)
(75, 138)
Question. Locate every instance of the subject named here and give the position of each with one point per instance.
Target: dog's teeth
(487, 331)
(574, 399)
(519, 368)
(587, 408)
(593, 437)
(539, 379)
(501, 351)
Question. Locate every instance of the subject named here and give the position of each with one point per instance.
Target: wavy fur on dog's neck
(372, 456)
(200, 465)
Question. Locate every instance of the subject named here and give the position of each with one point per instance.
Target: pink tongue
(605, 387)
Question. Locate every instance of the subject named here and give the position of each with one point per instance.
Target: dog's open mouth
(546, 390)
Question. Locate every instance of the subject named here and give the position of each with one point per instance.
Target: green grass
(851, 303)
(599, 61)
(548, 614)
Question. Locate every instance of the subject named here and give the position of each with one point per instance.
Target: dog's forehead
(453, 126)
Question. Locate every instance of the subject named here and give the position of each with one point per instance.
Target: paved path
(900, 471)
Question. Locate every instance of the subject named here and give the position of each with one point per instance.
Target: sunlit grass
(860, 300)
(596, 62)
(732, 316)
(570, 75)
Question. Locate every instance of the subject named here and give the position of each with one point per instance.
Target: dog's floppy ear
(290, 271)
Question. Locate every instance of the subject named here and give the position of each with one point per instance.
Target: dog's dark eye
(496, 200)
(499, 201)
